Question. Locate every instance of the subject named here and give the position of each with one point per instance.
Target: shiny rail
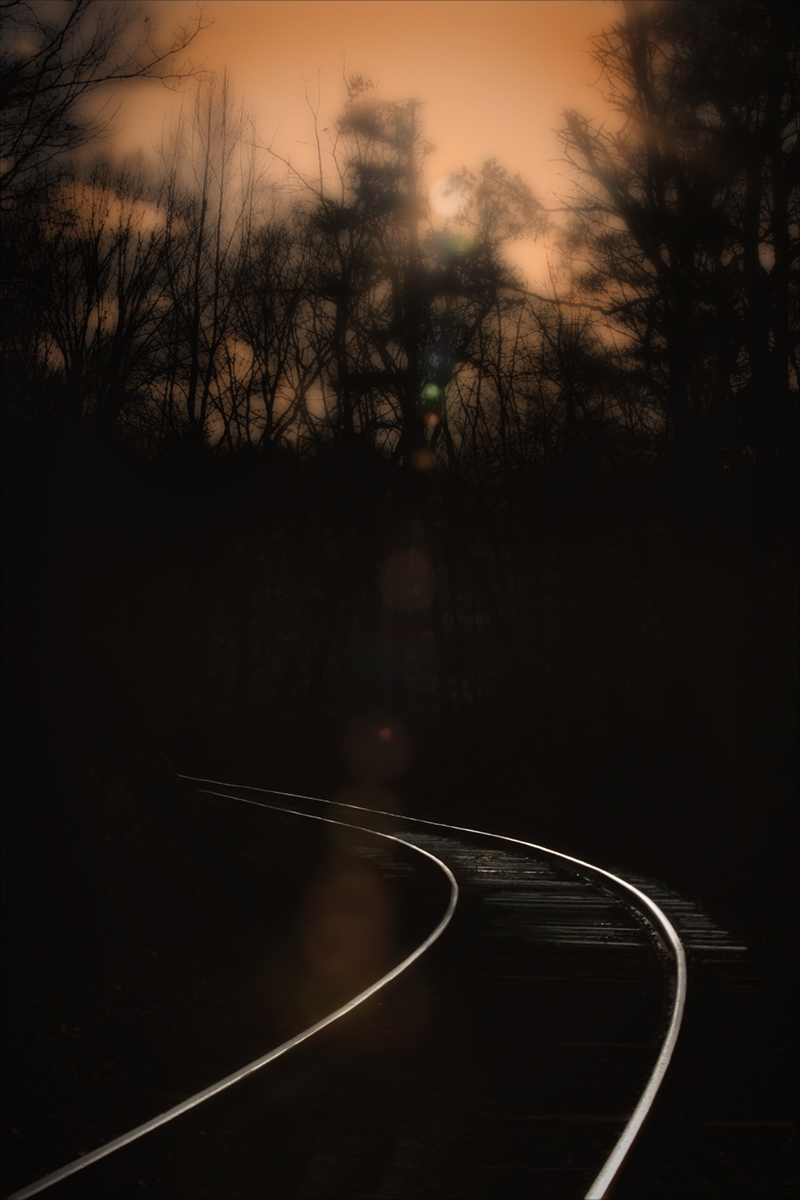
(139, 1131)
(662, 927)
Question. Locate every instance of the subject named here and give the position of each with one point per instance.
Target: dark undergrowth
(599, 679)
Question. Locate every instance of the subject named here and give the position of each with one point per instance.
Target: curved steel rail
(206, 1094)
(662, 927)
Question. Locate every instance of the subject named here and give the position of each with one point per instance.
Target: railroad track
(513, 1047)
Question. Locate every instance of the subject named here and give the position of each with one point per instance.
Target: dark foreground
(503, 1064)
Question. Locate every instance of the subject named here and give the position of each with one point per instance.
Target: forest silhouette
(285, 459)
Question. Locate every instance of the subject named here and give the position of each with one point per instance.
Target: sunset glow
(493, 78)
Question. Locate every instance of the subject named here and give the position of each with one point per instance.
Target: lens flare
(348, 926)
(408, 581)
(376, 748)
(423, 459)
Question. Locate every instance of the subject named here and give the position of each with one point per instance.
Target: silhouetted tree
(370, 292)
(210, 212)
(691, 192)
(92, 286)
(281, 362)
(54, 59)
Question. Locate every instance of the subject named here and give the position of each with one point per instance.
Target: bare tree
(211, 168)
(56, 58)
(88, 292)
(278, 362)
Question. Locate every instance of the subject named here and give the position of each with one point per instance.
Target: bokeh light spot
(423, 459)
(376, 749)
(348, 925)
(408, 581)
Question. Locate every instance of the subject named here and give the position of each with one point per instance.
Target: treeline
(200, 302)
(198, 305)
(599, 482)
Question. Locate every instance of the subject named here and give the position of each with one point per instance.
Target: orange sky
(495, 75)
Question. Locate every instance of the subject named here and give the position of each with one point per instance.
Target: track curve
(517, 898)
(663, 928)
(178, 1110)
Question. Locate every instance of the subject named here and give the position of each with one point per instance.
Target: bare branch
(54, 59)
